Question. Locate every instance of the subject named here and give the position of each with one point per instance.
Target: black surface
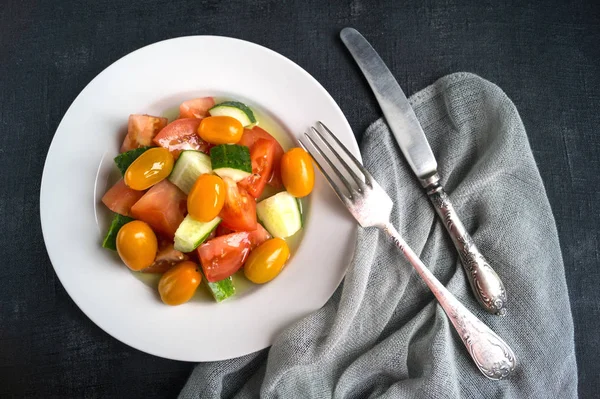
(546, 57)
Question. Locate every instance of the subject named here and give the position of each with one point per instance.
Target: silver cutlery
(403, 123)
(371, 207)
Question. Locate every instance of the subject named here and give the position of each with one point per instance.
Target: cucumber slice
(280, 215)
(191, 233)
(110, 241)
(232, 161)
(235, 109)
(221, 290)
(189, 166)
(125, 159)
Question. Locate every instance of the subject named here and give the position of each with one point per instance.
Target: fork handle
(494, 358)
(485, 283)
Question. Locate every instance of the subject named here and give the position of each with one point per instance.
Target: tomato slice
(180, 135)
(166, 257)
(141, 129)
(251, 136)
(223, 256)
(120, 198)
(239, 211)
(196, 108)
(163, 207)
(262, 154)
(258, 236)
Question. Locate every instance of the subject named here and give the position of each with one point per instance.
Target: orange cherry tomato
(297, 172)
(206, 198)
(266, 261)
(149, 168)
(220, 129)
(179, 284)
(137, 245)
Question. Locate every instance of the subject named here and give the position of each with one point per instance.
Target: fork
(371, 207)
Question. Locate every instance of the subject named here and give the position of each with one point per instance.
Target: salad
(205, 196)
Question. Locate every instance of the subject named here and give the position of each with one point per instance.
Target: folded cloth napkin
(382, 333)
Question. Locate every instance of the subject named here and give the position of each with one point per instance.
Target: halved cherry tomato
(179, 284)
(141, 129)
(297, 172)
(239, 209)
(180, 135)
(250, 137)
(120, 198)
(266, 261)
(166, 257)
(262, 154)
(136, 245)
(220, 129)
(149, 168)
(206, 198)
(163, 207)
(196, 108)
(224, 255)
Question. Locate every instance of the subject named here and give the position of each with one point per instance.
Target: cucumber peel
(221, 290)
(110, 241)
(235, 109)
(232, 161)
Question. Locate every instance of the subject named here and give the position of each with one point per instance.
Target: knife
(485, 283)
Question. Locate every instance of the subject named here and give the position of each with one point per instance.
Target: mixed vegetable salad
(192, 205)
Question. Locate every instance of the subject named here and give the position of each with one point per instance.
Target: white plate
(76, 174)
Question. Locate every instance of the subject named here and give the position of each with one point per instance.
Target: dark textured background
(545, 56)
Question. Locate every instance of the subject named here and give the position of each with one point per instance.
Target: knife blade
(393, 102)
(404, 125)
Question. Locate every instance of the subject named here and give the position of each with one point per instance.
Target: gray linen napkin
(382, 333)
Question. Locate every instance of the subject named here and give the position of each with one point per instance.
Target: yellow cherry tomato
(220, 129)
(297, 172)
(266, 261)
(137, 245)
(179, 284)
(206, 198)
(149, 168)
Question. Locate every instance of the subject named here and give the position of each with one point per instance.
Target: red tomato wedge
(120, 198)
(223, 256)
(239, 211)
(196, 108)
(258, 236)
(166, 257)
(262, 154)
(251, 136)
(141, 129)
(163, 207)
(180, 135)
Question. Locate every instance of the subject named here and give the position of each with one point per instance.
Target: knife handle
(485, 283)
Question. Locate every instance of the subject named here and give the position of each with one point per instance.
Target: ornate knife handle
(485, 283)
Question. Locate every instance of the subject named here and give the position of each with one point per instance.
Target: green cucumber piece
(235, 109)
(110, 241)
(188, 167)
(125, 159)
(280, 214)
(221, 290)
(191, 233)
(232, 161)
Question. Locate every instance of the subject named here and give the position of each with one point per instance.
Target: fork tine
(358, 180)
(345, 199)
(328, 160)
(368, 176)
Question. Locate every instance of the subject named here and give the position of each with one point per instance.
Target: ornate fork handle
(485, 283)
(494, 358)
